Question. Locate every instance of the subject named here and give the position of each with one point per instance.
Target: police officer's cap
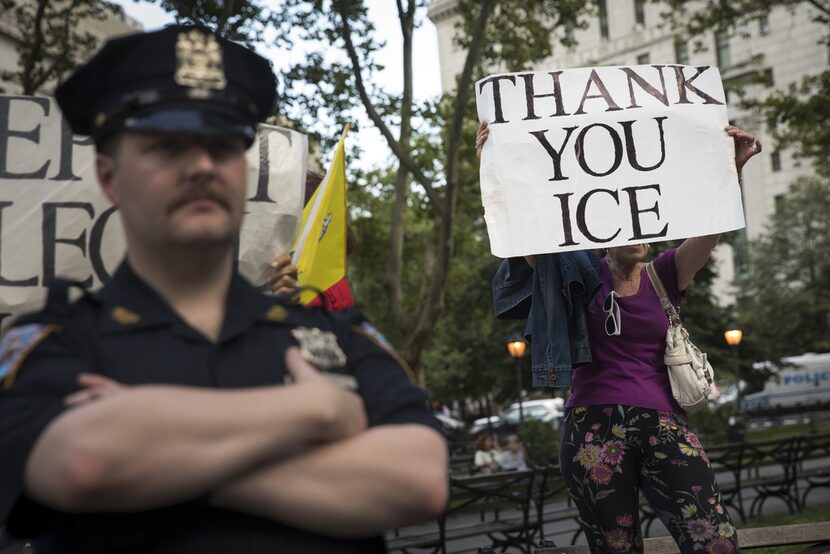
(180, 79)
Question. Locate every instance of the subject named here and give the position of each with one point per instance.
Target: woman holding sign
(623, 430)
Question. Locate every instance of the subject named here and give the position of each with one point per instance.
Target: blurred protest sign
(55, 222)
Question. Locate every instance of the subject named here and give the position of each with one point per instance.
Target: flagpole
(346, 128)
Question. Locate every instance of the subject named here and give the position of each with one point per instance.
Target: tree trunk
(398, 221)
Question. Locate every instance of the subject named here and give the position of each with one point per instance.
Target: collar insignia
(199, 61)
(276, 313)
(124, 316)
(319, 347)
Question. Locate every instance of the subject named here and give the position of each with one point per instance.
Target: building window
(763, 25)
(779, 202)
(640, 11)
(681, 51)
(775, 159)
(603, 18)
(722, 49)
(643, 59)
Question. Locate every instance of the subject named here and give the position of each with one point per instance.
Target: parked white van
(805, 382)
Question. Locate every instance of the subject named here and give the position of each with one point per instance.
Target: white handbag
(690, 374)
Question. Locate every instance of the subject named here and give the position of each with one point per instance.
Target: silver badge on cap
(319, 347)
(199, 61)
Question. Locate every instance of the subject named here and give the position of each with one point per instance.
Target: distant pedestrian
(514, 457)
(487, 458)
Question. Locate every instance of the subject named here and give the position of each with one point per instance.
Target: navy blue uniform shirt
(128, 333)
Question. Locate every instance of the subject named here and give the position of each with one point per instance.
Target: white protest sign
(55, 222)
(598, 157)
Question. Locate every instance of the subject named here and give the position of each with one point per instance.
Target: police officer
(178, 409)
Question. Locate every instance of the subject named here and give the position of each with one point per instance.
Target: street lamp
(733, 336)
(517, 349)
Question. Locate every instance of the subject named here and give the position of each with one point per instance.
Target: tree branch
(402, 156)
(820, 7)
(30, 85)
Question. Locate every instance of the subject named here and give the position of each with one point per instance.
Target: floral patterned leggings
(610, 452)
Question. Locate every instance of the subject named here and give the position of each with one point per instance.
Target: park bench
(815, 534)
(813, 447)
(817, 418)
(745, 463)
(462, 464)
(780, 455)
(550, 486)
(748, 474)
(497, 508)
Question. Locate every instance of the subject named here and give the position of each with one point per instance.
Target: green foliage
(240, 20)
(50, 42)
(320, 92)
(521, 32)
(785, 301)
(712, 426)
(804, 116)
(541, 443)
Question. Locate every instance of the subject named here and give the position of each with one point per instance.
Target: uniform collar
(130, 304)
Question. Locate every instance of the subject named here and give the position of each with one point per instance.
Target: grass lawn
(778, 432)
(808, 515)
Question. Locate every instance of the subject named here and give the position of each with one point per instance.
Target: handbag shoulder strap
(674, 317)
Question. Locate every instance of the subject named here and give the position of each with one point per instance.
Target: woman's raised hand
(481, 136)
(746, 145)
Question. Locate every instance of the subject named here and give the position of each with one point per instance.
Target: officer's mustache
(208, 190)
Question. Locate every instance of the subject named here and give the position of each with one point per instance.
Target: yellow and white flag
(320, 250)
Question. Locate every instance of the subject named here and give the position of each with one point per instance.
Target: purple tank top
(628, 369)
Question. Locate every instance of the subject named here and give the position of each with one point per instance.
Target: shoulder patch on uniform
(372, 332)
(124, 316)
(376, 337)
(16, 344)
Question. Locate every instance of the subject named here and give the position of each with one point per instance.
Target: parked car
(449, 423)
(480, 425)
(726, 394)
(547, 410)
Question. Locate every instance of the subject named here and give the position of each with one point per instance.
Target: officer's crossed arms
(274, 452)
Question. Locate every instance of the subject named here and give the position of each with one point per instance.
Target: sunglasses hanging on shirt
(613, 323)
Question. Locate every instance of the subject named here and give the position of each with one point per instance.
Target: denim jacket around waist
(553, 298)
